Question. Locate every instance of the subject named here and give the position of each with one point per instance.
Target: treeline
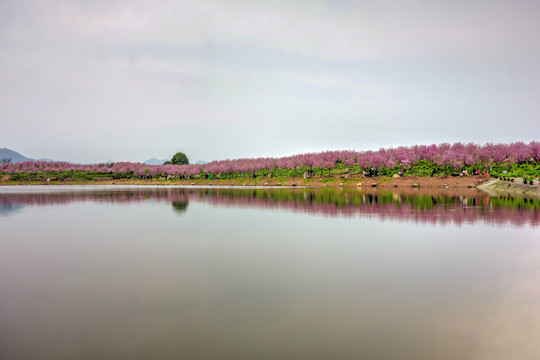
(513, 160)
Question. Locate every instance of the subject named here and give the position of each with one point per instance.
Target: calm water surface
(217, 273)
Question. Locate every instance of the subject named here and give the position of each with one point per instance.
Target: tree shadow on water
(180, 207)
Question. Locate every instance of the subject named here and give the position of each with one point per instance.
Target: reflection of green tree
(180, 206)
(352, 197)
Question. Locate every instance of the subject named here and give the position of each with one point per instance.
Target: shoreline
(489, 185)
(379, 182)
(499, 187)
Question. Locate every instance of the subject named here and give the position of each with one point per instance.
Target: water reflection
(424, 206)
(216, 273)
(7, 208)
(180, 207)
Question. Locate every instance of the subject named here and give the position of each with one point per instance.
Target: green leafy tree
(179, 159)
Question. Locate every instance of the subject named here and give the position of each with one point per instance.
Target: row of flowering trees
(442, 157)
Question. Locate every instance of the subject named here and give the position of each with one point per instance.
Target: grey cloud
(129, 80)
(359, 31)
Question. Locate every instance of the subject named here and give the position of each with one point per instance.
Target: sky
(127, 80)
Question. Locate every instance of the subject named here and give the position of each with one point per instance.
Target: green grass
(326, 180)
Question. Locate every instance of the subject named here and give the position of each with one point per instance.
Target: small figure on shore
(433, 173)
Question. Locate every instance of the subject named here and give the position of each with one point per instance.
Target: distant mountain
(154, 161)
(13, 155)
(16, 157)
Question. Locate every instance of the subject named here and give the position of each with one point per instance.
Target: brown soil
(379, 182)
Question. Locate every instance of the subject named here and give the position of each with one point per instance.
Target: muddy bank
(445, 183)
(377, 182)
(500, 187)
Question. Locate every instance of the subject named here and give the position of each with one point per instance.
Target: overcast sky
(93, 80)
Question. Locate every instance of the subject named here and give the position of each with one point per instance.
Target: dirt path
(382, 182)
(500, 187)
(493, 186)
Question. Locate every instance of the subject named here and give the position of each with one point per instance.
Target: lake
(113, 272)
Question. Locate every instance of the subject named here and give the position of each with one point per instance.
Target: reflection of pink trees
(327, 202)
(445, 155)
(371, 206)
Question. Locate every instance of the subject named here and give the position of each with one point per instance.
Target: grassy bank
(329, 181)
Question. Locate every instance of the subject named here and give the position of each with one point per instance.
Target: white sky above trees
(90, 81)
